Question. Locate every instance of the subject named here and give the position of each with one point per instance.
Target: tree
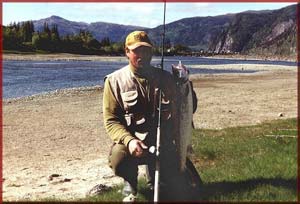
(105, 42)
(54, 32)
(118, 48)
(36, 41)
(11, 37)
(47, 30)
(41, 41)
(181, 48)
(27, 29)
(55, 39)
(94, 44)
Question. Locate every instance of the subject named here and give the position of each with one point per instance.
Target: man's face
(140, 57)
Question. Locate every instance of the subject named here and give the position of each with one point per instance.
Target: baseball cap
(136, 39)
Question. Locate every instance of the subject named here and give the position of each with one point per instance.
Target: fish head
(180, 72)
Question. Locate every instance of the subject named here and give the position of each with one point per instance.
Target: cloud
(140, 14)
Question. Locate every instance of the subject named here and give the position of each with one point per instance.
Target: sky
(138, 14)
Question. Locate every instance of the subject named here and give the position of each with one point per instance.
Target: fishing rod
(157, 161)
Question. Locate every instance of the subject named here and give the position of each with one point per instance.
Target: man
(130, 107)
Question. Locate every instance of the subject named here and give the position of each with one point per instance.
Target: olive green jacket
(130, 102)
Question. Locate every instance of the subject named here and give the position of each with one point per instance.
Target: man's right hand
(136, 148)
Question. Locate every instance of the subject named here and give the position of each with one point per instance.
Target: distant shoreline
(250, 57)
(79, 57)
(61, 57)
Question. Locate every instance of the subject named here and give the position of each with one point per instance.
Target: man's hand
(136, 147)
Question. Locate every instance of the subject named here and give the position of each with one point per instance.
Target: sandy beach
(55, 145)
(61, 56)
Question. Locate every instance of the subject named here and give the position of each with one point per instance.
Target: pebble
(50, 178)
(67, 180)
(98, 189)
(108, 176)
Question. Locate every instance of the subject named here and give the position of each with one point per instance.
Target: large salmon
(184, 114)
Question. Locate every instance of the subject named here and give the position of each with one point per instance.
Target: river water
(25, 78)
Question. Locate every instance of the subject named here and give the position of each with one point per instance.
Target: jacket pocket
(141, 126)
(129, 99)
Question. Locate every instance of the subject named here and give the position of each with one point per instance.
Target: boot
(130, 198)
(130, 189)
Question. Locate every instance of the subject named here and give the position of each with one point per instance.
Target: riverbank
(292, 58)
(74, 57)
(62, 57)
(55, 145)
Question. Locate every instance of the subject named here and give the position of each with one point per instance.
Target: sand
(55, 145)
(62, 56)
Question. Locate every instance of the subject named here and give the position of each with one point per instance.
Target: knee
(118, 158)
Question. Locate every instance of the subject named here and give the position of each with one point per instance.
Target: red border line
(1, 113)
(298, 97)
(158, 1)
(141, 1)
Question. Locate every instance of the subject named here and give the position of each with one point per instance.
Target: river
(25, 78)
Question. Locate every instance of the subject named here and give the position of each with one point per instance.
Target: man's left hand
(136, 147)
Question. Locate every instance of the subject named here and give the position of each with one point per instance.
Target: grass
(246, 163)
(115, 194)
(240, 164)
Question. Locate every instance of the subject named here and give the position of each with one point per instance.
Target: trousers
(126, 166)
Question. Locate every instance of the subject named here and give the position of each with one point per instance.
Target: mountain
(260, 33)
(250, 32)
(64, 26)
(265, 32)
(115, 32)
(99, 30)
(278, 36)
(197, 32)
